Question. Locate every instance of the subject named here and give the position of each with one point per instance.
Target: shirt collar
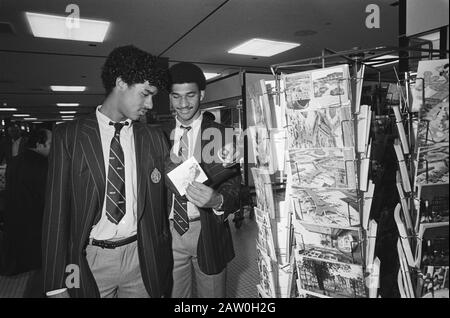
(104, 120)
(195, 124)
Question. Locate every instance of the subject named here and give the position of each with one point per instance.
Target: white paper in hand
(185, 173)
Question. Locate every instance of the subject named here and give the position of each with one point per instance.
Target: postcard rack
(337, 243)
(423, 157)
(320, 241)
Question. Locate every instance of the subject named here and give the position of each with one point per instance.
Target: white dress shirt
(194, 137)
(15, 146)
(105, 229)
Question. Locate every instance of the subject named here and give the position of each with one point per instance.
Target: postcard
(402, 166)
(433, 282)
(432, 244)
(328, 127)
(261, 147)
(345, 245)
(331, 85)
(364, 118)
(433, 203)
(185, 173)
(432, 164)
(278, 148)
(401, 129)
(319, 88)
(432, 75)
(337, 208)
(404, 237)
(325, 276)
(323, 167)
(266, 272)
(434, 124)
(404, 203)
(404, 276)
(264, 238)
(367, 205)
(255, 105)
(359, 86)
(298, 90)
(264, 193)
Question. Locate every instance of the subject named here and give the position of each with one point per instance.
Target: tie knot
(187, 128)
(118, 126)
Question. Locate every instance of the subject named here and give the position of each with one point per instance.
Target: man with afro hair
(105, 229)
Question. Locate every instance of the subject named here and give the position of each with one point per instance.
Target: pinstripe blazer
(74, 200)
(215, 245)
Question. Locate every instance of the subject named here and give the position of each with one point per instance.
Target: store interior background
(200, 31)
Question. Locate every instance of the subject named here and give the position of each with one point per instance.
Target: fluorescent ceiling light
(37, 122)
(66, 28)
(68, 119)
(21, 115)
(8, 109)
(67, 112)
(374, 62)
(67, 104)
(67, 116)
(57, 88)
(30, 118)
(59, 122)
(262, 47)
(210, 75)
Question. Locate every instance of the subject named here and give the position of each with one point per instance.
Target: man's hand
(203, 196)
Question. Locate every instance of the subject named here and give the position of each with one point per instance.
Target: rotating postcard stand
(328, 138)
(423, 186)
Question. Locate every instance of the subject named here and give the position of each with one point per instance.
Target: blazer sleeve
(55, 236)
(231, 190)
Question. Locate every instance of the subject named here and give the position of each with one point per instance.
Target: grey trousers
(186, 270)
(116, 271)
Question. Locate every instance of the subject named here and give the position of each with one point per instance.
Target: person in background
(25, 192)
(201, 238)
(105, 214)
(12, 144)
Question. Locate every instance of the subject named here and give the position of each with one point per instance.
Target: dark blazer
(215, 245)
(74, 199)
(25, 191)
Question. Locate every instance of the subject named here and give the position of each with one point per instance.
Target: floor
(242, 270)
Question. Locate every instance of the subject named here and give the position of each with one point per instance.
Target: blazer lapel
(91, 146)
(144, 160)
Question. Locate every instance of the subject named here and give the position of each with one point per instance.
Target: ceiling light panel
(262, 47)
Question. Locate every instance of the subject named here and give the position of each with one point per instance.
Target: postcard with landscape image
(434, 124)
(331, 86)
(323, 167)
(336, 208)
(432, 164)
(343, 245)
(328, 127)
(330, 278)
(432, 75)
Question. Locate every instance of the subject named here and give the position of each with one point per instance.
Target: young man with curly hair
(106, 229)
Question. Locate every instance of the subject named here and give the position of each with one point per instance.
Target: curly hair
(132, 65)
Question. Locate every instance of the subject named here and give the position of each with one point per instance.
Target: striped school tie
(180, 215)
(115, 190)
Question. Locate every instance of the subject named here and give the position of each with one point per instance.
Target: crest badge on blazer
(155, 176)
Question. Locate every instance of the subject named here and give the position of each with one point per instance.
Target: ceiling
(199, 31)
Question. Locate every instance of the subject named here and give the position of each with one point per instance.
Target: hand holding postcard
(186, 173)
